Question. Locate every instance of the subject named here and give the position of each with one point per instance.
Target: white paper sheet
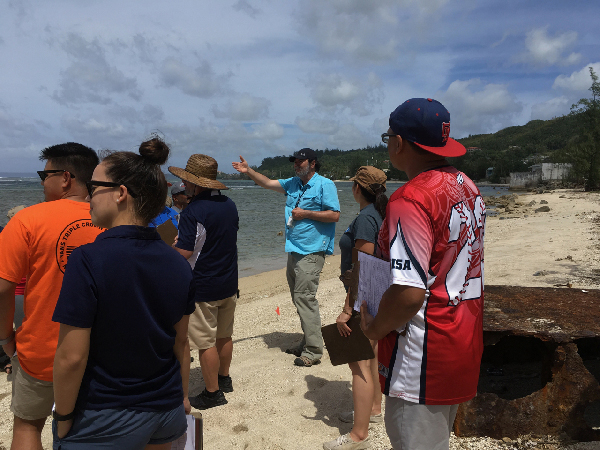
(375, 276)
(188, 440)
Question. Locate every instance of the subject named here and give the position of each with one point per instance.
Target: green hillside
(512, 149)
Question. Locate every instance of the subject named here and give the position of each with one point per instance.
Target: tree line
(573, 138)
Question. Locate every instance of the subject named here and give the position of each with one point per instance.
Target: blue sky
(267, 77)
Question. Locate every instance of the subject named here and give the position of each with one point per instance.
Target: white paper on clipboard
(374, 278)
(188, 440)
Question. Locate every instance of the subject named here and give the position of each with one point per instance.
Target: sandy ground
(276, 405)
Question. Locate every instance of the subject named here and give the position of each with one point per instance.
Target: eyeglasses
(45, 173)
(92, 184)
(385, 137)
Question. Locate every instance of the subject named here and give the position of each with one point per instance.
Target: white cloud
(577, 81)
(15, 133)
(316, 125)
(349, 136)
(90, 78)
(337, 92)
(479, 108)
(267, 131)
(225, 143)
(355, 29)
(198, 82)
(555, 107)
(367, 31)
(545, 50)
(244, 107)
(247, 8)
(96, 129)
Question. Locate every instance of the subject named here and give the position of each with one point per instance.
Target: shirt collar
(206, 194)
(130, 232)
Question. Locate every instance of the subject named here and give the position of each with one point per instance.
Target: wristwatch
(61, 418)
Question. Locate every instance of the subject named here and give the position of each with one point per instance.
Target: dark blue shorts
(121, 429)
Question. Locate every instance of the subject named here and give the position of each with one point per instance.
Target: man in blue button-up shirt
(311, 210)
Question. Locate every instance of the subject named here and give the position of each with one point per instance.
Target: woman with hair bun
(122, 363)
(369, 192)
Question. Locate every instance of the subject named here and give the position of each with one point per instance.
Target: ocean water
(261, 237)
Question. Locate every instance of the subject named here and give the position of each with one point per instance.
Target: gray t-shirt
(365, 226)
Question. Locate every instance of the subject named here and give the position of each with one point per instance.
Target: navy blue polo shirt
(130, 288)
(208, 228)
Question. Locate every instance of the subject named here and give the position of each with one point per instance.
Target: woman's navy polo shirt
(130, 288)
(208, 228)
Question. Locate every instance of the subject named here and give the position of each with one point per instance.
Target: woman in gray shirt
(368, 190)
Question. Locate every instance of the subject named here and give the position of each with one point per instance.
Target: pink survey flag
(277, 311)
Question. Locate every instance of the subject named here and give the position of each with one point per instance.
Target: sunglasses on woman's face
(92, 184)
(45, 173)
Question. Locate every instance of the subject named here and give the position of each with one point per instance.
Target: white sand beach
(276, 405)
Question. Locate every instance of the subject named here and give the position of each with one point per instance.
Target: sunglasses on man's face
(45, 173)
(92, 185)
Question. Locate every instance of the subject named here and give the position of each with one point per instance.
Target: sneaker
(204, 401)
(345, 442)
(305, 361)
(225, 383)
(348, 417)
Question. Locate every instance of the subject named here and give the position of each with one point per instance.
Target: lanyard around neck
(304, 189)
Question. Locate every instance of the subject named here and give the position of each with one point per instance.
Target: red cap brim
(451, 149)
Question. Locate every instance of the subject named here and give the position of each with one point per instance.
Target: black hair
(75, 158)
(317, 165)
(141, 173)
(379, 199)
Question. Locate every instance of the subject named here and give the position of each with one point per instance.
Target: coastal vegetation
(573, 138)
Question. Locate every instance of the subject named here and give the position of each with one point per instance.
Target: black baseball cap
(305, 153)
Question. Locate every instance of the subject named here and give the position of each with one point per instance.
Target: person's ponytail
(142, 174)
(377, 198)
(155, 151)
(381, 200)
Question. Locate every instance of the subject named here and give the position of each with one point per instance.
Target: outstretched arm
(319, 216)
(258, 178)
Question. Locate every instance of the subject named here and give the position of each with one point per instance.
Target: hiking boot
(305, 361)
(345, 442)
(225, 383)
(206, 400)
(348, 417)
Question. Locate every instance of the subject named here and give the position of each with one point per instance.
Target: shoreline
(276, 405)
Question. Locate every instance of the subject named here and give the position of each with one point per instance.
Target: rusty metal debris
(540, 367)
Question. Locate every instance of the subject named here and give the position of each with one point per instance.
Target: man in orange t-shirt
(36, 244)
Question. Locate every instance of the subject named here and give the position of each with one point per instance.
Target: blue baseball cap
(426, 123)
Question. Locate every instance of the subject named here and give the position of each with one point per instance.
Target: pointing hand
(242, 166)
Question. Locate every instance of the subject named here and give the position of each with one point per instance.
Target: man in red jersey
(430, 320)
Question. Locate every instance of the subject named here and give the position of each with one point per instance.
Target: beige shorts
(32, 399)
(211, 321)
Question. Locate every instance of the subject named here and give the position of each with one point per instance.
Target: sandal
(8, 368)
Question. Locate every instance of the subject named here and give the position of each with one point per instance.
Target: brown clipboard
(167, 232)
(344, 350)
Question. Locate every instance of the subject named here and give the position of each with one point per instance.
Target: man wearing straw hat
(208, 240)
